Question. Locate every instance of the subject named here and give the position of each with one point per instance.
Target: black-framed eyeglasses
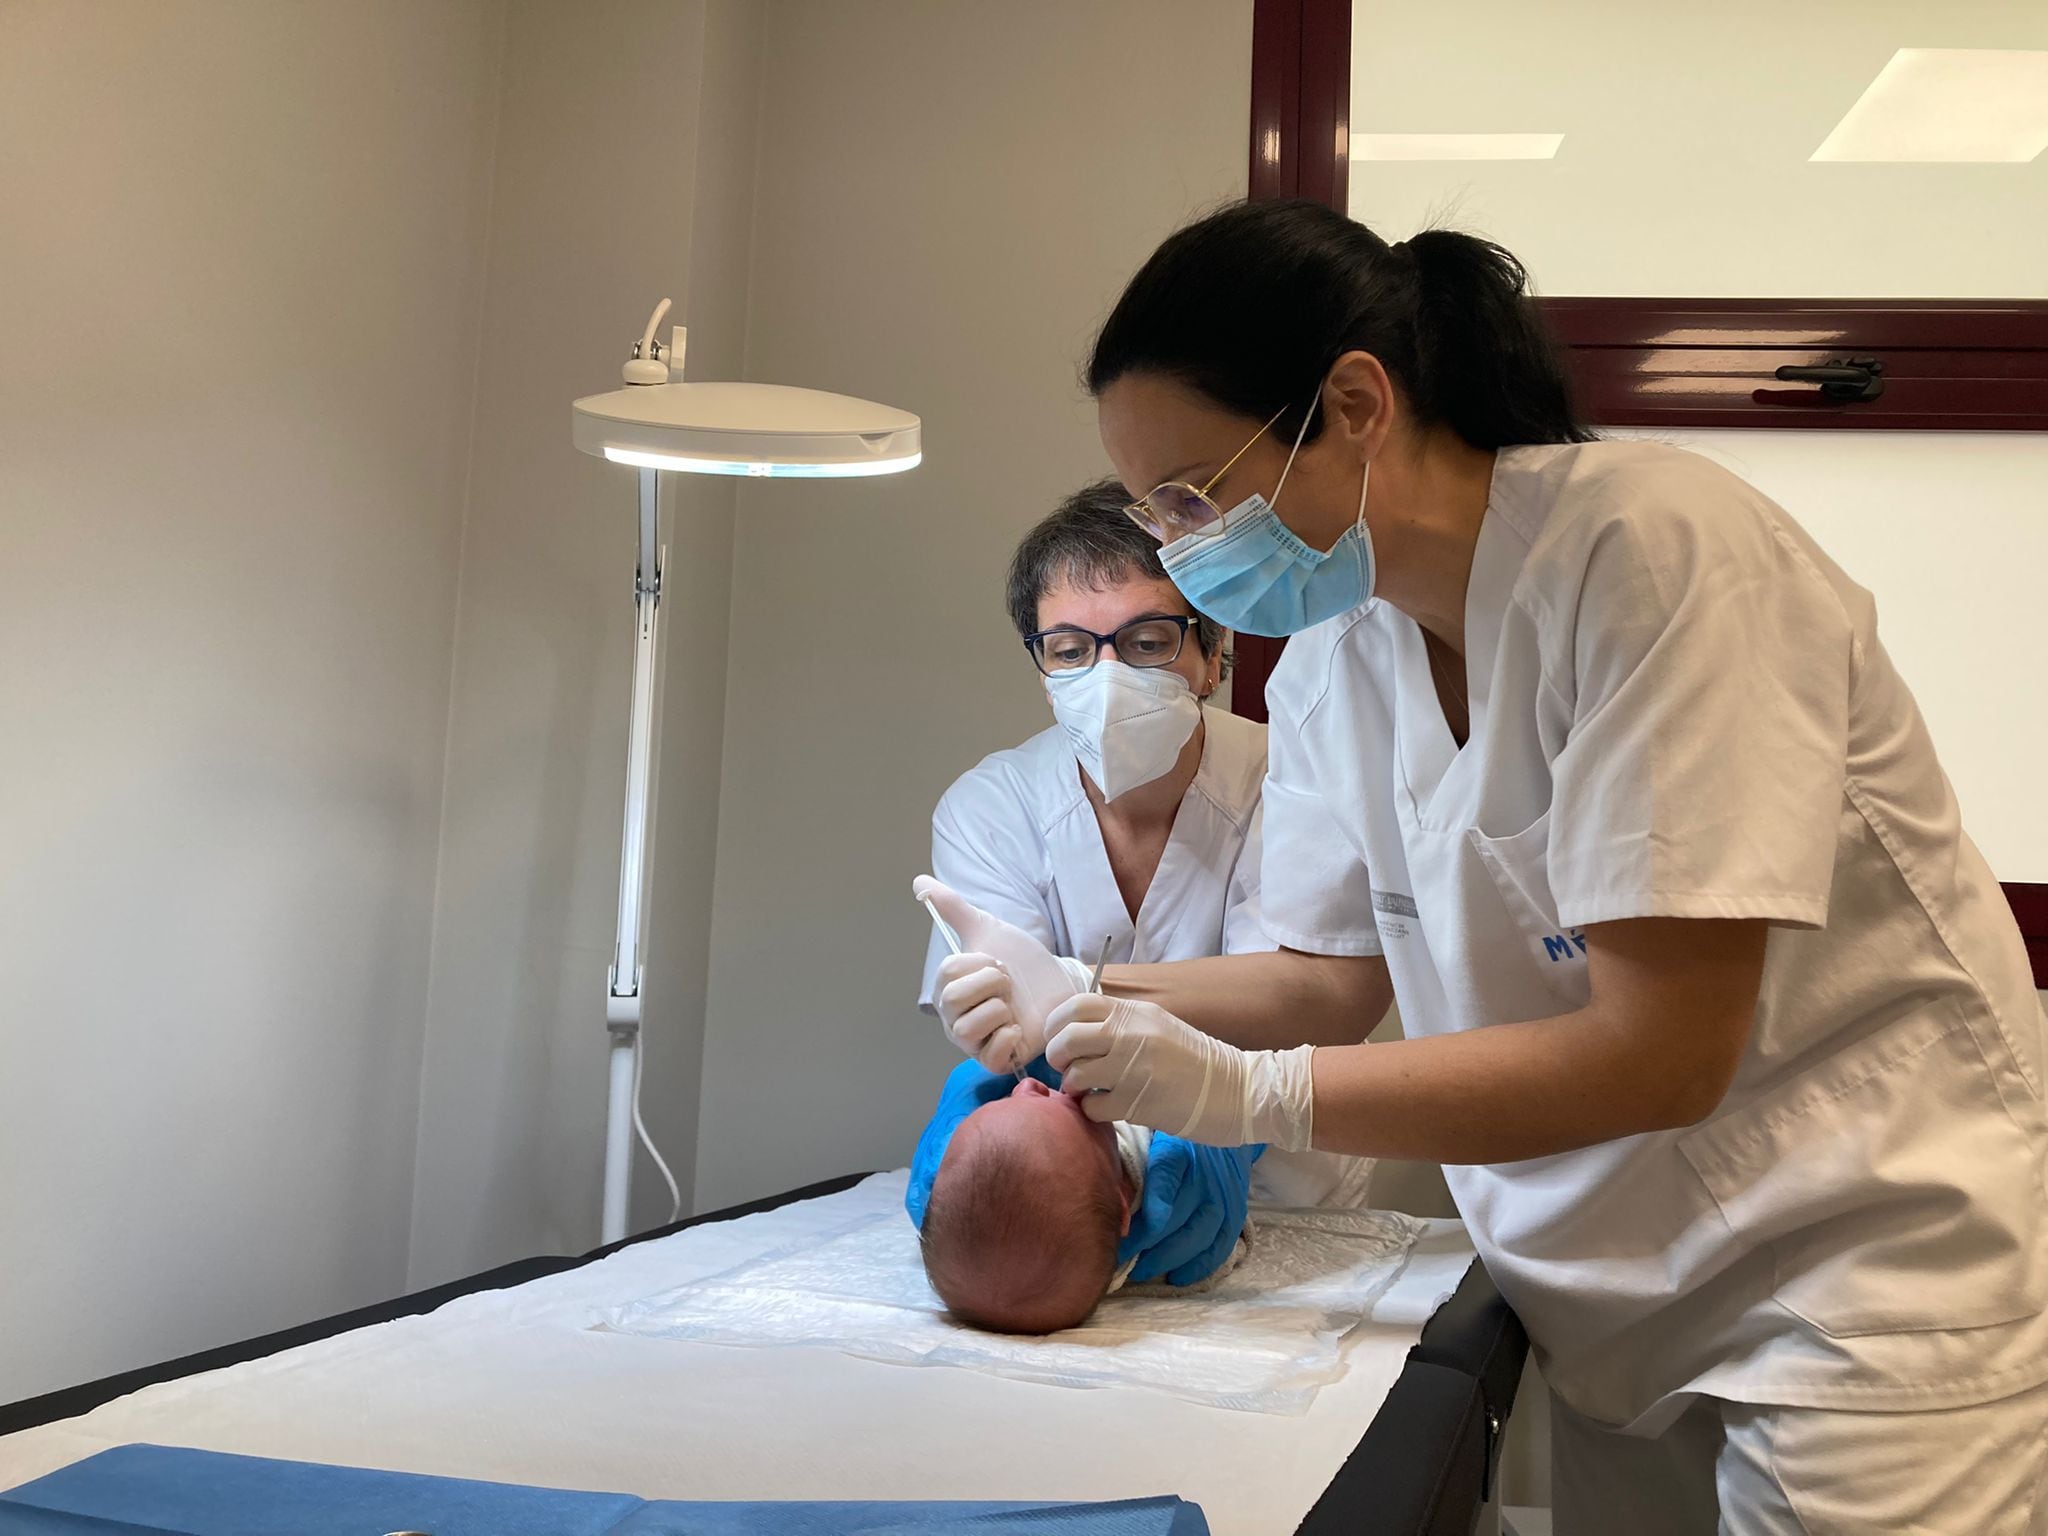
(1067, 649)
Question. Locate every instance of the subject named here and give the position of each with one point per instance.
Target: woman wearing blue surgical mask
(1133, 819)
(1587, 754)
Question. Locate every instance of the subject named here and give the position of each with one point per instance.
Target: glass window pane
(1660, 151)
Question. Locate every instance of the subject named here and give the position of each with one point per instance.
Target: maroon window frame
(1959, 365)
(1946, 365)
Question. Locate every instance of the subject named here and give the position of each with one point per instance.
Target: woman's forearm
(1654, 1049)
(1270, 1001)
(1495, 1095)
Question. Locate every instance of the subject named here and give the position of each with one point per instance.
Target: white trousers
(1738, 1469)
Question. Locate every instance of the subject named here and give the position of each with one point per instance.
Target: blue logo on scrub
(1565, 946)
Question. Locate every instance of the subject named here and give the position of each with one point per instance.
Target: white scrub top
(1017, 837)
(1680, 708)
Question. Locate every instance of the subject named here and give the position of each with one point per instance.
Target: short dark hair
(1251, 305)
(1089, 541)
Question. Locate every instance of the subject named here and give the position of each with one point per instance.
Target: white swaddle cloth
(1134, 1151)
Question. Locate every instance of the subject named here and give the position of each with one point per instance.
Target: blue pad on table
(155, 1490)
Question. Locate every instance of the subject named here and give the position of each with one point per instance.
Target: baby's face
(1058, 1126)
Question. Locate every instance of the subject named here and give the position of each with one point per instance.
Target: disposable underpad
(1264, 1339)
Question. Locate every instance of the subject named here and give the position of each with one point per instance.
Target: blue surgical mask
(1258, 577)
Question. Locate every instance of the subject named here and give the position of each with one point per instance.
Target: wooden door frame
(1300, 147)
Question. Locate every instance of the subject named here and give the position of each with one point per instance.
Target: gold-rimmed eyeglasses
(1176, 509)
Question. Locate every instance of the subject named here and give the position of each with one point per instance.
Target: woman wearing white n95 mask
(1592, 757)
(1134, 819)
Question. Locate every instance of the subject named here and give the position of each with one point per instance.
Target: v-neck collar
(1166, 874)
(1432, 763)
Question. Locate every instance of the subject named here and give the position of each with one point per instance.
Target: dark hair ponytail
(1251, 305)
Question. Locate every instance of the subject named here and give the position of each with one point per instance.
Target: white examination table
(512, 1385)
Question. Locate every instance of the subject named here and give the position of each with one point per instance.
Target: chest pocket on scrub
(1519, 868)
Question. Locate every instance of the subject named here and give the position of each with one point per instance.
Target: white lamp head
(746, 429)
(740, 429)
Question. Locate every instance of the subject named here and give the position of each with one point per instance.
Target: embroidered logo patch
(1396, 913)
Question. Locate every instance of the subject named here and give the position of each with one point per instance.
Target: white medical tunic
(1017, 837)
(1680, 708)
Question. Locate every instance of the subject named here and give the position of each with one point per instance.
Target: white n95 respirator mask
(1126, 724)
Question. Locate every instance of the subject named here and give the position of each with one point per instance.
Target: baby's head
(1020, 1235)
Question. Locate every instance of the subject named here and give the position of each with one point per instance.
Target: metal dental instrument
(954, 945)
(1101, 964)
(1095, 981)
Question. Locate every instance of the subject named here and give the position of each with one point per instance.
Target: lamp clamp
(651, 362)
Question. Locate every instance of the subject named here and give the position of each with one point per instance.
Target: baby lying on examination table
(1030, 1201)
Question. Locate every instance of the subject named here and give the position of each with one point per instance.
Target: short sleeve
(984, 846)
(1315, 894)
(1706, 665)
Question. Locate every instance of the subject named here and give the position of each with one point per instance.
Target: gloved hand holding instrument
(993, 996)
(1006, 999)
(1135, 1061)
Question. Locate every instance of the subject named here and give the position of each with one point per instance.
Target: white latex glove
(993, 997)
(1135, 1061)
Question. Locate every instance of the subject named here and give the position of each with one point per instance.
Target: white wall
(950, 197)
(240, 263)
(1684, 169)
(1949, 531)
(623, 175)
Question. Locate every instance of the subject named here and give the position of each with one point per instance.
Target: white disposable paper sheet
(1264, 1338)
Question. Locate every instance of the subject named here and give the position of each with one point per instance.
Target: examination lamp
(656, 423)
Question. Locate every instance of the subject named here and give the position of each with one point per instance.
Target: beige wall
(950, 195)
(240, 260)
(315, 630)
(623, 175)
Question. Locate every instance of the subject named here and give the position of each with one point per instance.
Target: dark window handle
(1850, 381)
